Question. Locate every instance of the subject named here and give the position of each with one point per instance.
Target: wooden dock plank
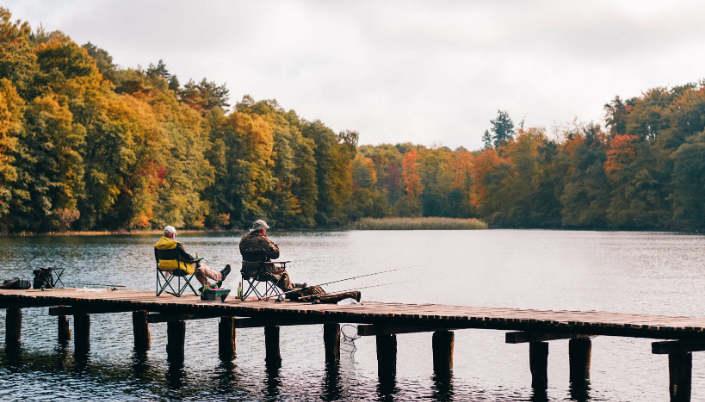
(398, 314)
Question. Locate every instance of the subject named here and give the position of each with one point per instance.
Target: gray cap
(258, 225)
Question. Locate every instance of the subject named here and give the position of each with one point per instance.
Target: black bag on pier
(43, 278)
(15, 283)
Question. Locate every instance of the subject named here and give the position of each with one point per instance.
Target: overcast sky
(403, 71)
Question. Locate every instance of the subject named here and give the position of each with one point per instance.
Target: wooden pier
(680, 335)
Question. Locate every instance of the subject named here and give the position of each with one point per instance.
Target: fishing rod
(349, 290)
(343, 280)
(111, 286)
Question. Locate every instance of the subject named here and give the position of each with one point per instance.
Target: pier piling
(176, 336)
(680, 372)
(331, 339)
(579, 351)
(227, 335)
(13, 327)
(386, 356)
(82, 332)
(140, 327)
(271, 345)
(64, 329)
(679, 336)
(538, 363)
(443, 342)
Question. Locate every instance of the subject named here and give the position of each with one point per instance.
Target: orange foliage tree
(410, 175)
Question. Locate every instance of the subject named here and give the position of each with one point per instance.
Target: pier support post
(13, 327)
(579, 351)
(140, 328)
(64, 329)
(680, 371)
(538, 363)
(176, 336)
(271, 345)
(331, 339)
(227, 334)
(82, 332)
(386, 356)
(443, 342)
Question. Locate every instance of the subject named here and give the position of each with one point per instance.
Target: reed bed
(418, 224)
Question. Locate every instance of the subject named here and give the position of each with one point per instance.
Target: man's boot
(300, 285)
(224, 274)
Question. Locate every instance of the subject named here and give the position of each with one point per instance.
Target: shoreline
(181, 231)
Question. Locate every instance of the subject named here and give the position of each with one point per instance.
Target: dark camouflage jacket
(255, 249)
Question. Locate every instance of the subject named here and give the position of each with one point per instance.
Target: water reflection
(226, 377)
(387, 388)
(63, 357)
(443, 387)
(175, 374)
(272, 382)
(331, 385)
(13, 356)
(579, 390)
(539, 395)
(140, 366)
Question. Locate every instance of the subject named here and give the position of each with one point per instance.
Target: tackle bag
(43, 278)
(15, 283)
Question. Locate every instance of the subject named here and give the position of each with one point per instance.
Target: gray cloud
(403, 71)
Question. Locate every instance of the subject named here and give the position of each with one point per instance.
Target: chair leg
(191, 286)
(167, 283)
(252, 289)
(187, 284)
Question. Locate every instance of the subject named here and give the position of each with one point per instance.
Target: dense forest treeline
(87, 145)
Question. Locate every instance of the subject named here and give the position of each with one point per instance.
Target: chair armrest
(197, 259)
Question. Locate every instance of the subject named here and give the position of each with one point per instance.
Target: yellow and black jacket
(170, 255)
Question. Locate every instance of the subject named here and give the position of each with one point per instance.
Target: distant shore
(428, 223)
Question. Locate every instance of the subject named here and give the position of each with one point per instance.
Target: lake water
(652, 273)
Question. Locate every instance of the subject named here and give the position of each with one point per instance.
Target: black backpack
(43, 278)
(15, 283)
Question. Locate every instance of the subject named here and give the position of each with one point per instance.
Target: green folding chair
(169, 267)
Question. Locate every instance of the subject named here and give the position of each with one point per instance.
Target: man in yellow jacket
(170, 250)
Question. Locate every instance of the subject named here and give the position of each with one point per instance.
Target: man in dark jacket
(256, 248)
(168, 247)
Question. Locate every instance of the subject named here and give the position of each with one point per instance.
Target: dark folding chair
(170, 266)
(271, 290)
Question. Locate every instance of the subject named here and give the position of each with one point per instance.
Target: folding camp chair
(165, 278)
(270, 283)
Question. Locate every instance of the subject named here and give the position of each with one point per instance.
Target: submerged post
(227, 334)
(13, 327)
(331, 339)
(176, 336)
(387, 356)
(680, 372)
(140, 328)
(271, 345)
(538, 363)
(443, 342)
(579, 351)
(82, 332)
